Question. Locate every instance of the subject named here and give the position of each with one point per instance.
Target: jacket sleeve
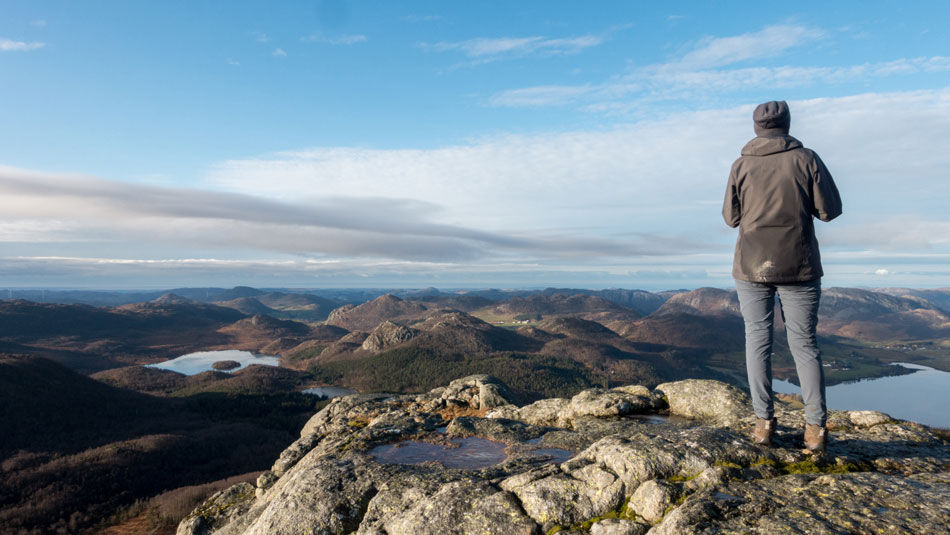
(731, 209)
(824, 194)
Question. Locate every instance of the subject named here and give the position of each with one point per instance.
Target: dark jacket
(775, 190)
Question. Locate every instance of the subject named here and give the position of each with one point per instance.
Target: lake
(922, 396)
(328, 391)
(195, 363)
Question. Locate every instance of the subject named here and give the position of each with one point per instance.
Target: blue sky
(151, 144)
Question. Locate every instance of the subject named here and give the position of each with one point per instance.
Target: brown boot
(816, 438)
(764, 430)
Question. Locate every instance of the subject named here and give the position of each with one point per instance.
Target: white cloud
(334, 40)
(767, 42)
(638, 198)
(420, 18)
(260, 37)
(708, 69)
(233, 62)
(652, 176)
(907, 232)
(657, 83)
(8, 45)
(546, 95)
(279, 53)
(38, 230)
(38, 23)
(54, 208)
(487, 49)
(881, 271)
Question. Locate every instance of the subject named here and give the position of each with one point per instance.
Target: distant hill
(205, 295)
(237, 292)
(643, 302)
(248, 305)
(579, 305)
(41, 401)
(254, 379)
(938, 296)
(97, 298)
(579, 328)
(26, 320)
(267, 335)
(175, 309)
(465, 303)
(880, 317)
(284, 306)
(267, 327)
(702, 302)
(367, 316)
(717, 332)
(143, 379)
(92, 339)
(458, 332)
(494, 294)
(303, 307)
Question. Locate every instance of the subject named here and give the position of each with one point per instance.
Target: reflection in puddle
(471, 453)
(652, 418)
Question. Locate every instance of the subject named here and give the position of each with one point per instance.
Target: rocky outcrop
(629, 460)
(702, 302)
(704, 399)
(367, 316)
(387, 335)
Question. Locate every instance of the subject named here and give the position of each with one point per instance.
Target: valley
(93, 438)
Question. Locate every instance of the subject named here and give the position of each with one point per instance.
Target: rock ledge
(672, 460)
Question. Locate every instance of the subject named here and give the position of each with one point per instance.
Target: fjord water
(922, 396)
(194, 363)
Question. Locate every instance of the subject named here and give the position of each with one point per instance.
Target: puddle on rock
(653, 418)
(471, 453)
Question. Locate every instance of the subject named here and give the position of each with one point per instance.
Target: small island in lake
(226, 365)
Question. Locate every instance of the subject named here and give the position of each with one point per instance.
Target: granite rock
(608, 462)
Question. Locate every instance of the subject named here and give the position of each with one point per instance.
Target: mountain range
(73, 369)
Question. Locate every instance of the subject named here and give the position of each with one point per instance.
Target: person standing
(776, 189)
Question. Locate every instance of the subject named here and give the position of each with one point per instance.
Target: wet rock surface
(629, 460)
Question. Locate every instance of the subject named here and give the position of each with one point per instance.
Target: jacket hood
(771, 119)
(763, 146)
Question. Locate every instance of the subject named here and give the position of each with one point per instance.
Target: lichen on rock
(705, 399)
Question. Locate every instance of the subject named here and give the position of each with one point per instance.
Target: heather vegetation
(83, 449)
(160, 515)
(420, 369)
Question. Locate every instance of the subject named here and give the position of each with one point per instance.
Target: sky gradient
(331, 143)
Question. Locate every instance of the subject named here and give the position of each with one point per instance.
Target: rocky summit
(676, 459)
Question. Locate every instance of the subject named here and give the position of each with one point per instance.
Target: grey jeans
(799, 302)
